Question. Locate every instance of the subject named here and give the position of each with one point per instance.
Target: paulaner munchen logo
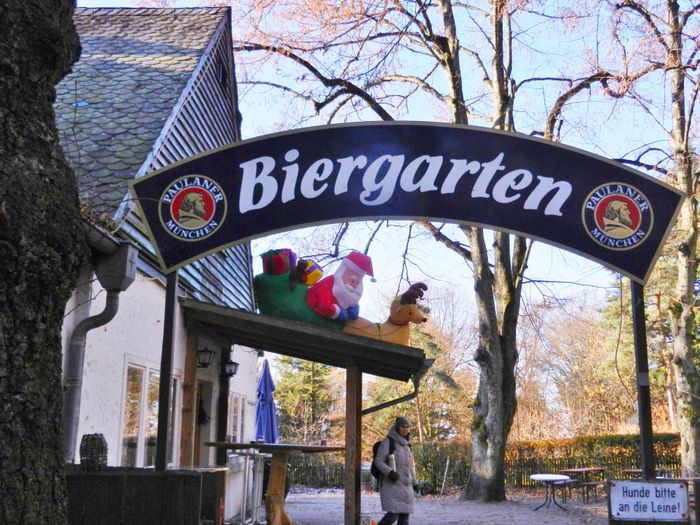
(617, 216)
(192, 208)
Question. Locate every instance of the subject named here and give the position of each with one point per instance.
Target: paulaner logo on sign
(589, 205)
(618, 216)
(192, 208)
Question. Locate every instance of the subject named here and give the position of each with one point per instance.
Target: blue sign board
(566, 197)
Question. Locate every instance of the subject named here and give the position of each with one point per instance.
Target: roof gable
(110, 110)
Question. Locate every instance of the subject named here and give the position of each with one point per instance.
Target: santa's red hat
(361, 263)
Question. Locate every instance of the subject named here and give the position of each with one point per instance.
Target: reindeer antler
(414, 293)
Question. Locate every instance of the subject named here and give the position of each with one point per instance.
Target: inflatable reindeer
(396, 329)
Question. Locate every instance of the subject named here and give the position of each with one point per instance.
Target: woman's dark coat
(396, 496)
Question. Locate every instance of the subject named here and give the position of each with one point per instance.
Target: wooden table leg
(274, 500)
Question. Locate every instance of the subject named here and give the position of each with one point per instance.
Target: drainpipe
(115, 272)
(427, 363)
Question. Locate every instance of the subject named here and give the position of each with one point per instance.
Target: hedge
(614, 452)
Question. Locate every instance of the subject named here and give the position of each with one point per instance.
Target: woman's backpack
(373, 468)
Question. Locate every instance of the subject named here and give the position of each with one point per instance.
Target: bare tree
(369, 60)
(664, 34)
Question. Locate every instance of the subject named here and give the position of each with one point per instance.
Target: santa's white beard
(345, 295)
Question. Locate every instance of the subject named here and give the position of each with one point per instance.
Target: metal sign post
(643, 397)
(166, 372)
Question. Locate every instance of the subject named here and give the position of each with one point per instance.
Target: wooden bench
(591, 486)
(565, 488)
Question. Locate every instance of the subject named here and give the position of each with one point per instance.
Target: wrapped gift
(277, 262)
(312, 273)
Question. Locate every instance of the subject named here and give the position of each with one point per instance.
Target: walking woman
(395, 461)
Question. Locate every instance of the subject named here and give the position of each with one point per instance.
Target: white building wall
(245, 383)
(135, 336)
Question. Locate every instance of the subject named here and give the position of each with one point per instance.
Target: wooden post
(189, 397)
(222, 409)
(643, 396)
(353, 443)
(274, 499)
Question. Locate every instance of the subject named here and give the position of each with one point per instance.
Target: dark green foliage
(431, 462)
(304, 399)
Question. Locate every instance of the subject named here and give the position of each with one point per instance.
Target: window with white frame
(235, 432)
(140, 421)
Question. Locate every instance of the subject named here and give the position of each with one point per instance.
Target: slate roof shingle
(110, 110)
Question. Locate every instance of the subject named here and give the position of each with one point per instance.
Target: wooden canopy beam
(304, 341)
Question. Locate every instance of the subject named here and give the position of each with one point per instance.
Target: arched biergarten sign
(581, 202)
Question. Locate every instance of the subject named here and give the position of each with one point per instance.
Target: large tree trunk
(498, 300)
(683, 327)
(41, 249)
(682, 316)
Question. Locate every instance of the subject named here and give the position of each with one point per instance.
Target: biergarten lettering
(402, 171)
(260, 183)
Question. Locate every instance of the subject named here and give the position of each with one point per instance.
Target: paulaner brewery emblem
(617, 216)
(192, 208)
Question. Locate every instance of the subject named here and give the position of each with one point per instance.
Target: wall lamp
(229, 368)
(205, 357)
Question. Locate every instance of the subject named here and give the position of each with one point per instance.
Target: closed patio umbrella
(265, 414)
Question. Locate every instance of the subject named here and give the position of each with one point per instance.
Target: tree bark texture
(498, 301)
(682, 316)
(41, 249)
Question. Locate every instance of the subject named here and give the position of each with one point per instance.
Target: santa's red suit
(321, 300)
(336, 296)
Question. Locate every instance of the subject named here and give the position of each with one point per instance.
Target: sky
(568, 274)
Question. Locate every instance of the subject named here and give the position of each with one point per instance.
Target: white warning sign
(665, 500)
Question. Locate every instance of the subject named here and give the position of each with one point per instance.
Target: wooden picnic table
(584, 477)
(274, 500)
(583, 473)
(638, 473)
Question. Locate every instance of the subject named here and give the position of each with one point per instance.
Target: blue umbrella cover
(265, 413)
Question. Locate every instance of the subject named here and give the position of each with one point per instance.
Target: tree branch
(444, 239)
(561, 101)
(634, 6)
(373, 235)
(422, 84)
(645, 165)
(344, 85)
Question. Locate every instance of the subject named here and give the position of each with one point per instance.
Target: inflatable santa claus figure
(337, 296)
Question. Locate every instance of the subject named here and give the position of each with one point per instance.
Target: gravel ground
(326, 508)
